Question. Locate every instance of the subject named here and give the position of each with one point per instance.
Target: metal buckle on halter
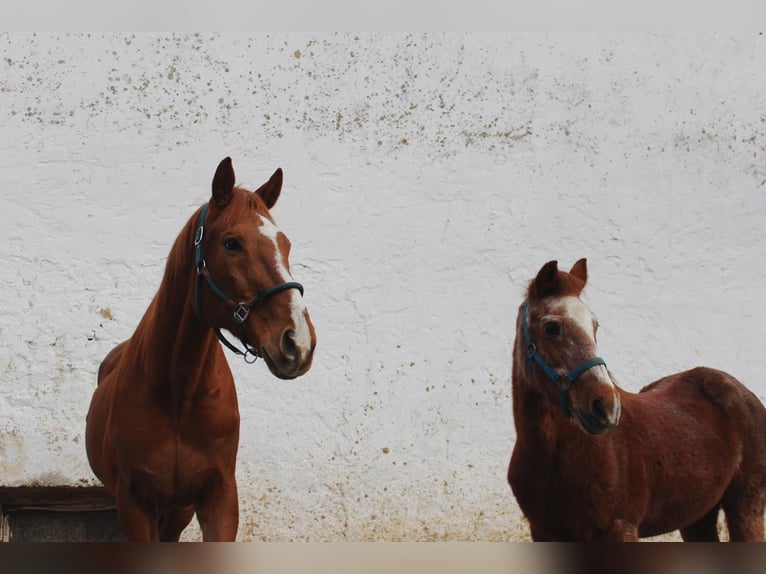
(198, 235)
(201, 267)
(531, 349)
(241, 313)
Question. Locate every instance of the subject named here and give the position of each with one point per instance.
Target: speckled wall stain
(427, 178)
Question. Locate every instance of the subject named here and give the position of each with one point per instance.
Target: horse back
(729, 396)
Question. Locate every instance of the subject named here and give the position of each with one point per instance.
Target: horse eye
(232, 244)
(552, 329)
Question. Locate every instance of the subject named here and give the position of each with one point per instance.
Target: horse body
(681, 449)
(162, 431)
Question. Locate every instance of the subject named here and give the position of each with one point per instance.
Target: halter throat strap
(563, 382)
(241, 309)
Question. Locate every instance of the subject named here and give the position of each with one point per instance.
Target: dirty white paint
(427, 179)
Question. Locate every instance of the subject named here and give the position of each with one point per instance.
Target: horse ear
(580, 270)
(269, 191)
(546, 281)
(223, 183)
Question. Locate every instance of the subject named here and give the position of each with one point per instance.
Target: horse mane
(181, 254)
(176, 281)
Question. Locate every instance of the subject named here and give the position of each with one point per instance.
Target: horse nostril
(289, 348)
(597, 408)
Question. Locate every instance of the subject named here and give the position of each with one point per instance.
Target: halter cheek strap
(562, 381)
(241, 309)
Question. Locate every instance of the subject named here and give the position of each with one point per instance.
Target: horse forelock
(242, 206)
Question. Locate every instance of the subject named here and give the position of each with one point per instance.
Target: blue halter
(241, 309)
(562, 381)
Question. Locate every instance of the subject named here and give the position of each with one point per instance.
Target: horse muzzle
(294, 355)
(599, 418)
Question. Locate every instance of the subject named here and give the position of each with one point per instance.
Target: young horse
(163, 427)
(595, 462)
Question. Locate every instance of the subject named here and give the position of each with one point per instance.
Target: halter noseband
(241, 308)
(562, 381)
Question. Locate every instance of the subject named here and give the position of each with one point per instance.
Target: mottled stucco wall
(427, 178)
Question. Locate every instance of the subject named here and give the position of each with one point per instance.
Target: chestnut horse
(595, 462)
(163, 427)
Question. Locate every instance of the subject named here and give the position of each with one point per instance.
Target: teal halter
(562, 381)
(241, 308)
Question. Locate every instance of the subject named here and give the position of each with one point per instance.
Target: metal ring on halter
(241, 312)
(249, 353)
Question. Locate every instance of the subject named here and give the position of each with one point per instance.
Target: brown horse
(595, 462)
(163, 427)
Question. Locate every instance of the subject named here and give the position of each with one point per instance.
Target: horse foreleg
(136, 524)
(218, 511)
(539, 535)
(173, 522)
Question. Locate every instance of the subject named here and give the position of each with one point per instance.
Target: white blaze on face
(297, 305)
(575, 310)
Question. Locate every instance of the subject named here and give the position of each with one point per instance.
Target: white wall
(427, 178)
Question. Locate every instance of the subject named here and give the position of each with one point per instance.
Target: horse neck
(539, 424)
(177, 348)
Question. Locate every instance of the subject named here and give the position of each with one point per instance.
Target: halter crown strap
(241, 308)
(563, 381)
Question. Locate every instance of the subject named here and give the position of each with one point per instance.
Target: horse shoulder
(99, 428)
(110, 361)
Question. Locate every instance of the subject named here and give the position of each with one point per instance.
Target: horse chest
(172, 465)
(178, 441)
(537, 484)
(557, 490)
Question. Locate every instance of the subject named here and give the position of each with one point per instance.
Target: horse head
(559, 334)
(248, 289)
